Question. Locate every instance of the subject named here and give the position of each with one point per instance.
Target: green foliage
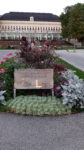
(3, 108)
(76, 21)
(36, 105)
(8, 76)
(73, 22)
(41, 59)
(64, 17)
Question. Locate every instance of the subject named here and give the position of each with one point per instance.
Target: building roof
(25, 16)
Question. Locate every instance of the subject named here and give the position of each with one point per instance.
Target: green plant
(2, 98)
(7, 74)
(3, 108)
(35, 56)
(37, 105)
(73, 90)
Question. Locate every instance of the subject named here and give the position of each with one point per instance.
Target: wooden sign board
(33, 79)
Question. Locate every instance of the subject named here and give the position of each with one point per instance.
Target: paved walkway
(18, 132)
(75, 58)
(3, 53)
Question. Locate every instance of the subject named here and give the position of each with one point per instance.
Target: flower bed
(68, 88)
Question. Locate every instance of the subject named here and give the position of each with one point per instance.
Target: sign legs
(14, 93)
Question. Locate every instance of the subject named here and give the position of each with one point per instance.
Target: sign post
(33, 79)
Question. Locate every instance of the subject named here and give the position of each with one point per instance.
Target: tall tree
(65, 21)
(73, 22)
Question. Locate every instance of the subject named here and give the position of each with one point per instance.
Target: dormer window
(31, 18)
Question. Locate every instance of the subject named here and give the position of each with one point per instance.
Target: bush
(2, 98)
(36, 105)
(30, 56)
(42, 57)
(73, 90)
(2, 83)
(7, 75)
(34, 55)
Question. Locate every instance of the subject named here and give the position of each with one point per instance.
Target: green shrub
(8, 75)
(37, 56)
(37, 105)
(29, 57)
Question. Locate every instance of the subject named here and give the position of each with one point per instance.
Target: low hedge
(37, 105)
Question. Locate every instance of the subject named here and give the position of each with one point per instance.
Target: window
(59, 29)
(8, 27)
(16, 27)
(31, 18)
(22, 28)
(13, 27)
(46, 28)
(19, 28)
(2, 27)
(51, 28)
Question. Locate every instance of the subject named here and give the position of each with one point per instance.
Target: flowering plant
(34, 55)
(2, 71)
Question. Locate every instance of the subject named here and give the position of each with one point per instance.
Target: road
(18, 132)
(75, 58)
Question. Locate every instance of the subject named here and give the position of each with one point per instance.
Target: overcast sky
(46, 6)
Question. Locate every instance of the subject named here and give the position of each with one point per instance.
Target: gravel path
(18, 132)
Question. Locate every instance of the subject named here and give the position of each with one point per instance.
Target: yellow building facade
(36, 25)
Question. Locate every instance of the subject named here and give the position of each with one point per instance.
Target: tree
(65, 21)
(73, 22)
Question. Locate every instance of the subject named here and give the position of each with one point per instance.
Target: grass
(69, 48)
(78, 72)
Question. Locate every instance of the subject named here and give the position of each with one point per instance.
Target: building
(14, 25)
